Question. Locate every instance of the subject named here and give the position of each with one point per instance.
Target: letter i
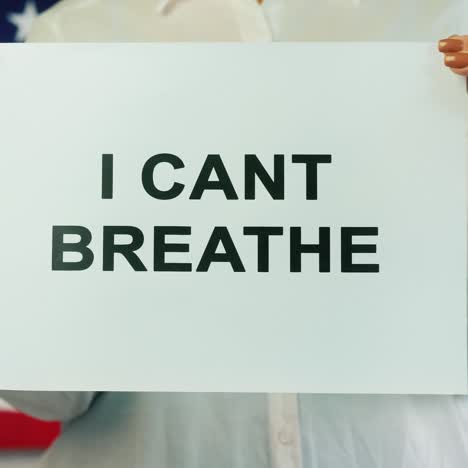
(107, 176)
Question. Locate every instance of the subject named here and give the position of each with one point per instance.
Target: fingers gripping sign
(455, 50)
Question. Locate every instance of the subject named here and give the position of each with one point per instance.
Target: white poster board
(370, 140)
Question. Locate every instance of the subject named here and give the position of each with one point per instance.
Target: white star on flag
(23, 21)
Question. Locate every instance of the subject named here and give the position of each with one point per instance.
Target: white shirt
(284, 20)
(177, 430)
(212, 430)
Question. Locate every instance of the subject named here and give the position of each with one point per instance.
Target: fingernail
(450, 45)
(457, 60)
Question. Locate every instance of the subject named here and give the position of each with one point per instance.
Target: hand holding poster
(233, 218)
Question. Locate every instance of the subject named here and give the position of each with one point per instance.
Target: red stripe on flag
(21, 432)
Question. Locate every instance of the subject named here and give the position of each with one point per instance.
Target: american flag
(21, 432)
(17, 16)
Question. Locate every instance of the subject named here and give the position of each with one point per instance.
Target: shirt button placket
(284, 430)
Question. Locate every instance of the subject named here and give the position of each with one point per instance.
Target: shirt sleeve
(50, 406)
(47, 27)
